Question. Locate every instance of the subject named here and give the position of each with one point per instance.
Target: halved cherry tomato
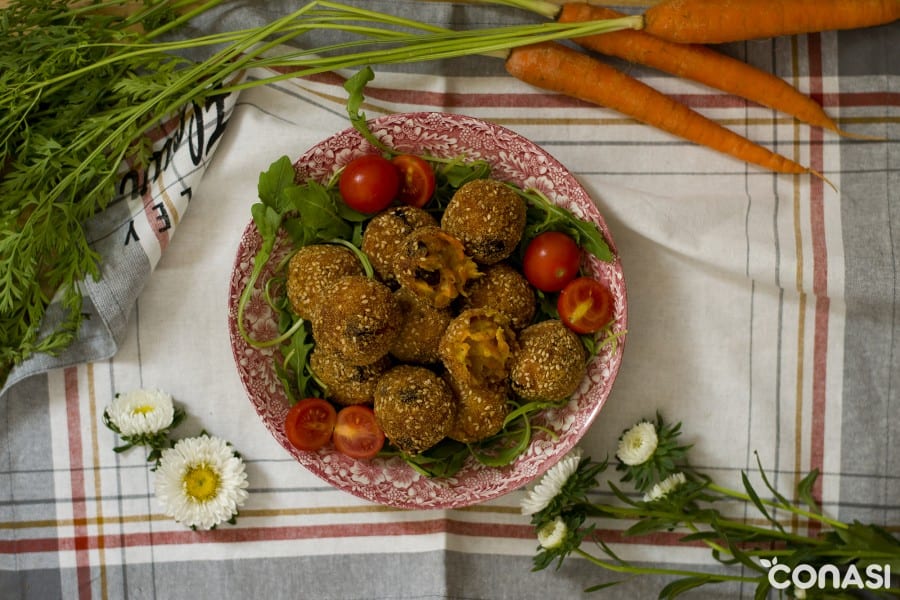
(369, 183)
(585, 305)
(309, 423)
(357, 433)
(551, 261)
(416, 180)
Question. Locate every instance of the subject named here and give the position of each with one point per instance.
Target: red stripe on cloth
(848, 99)
(270, 534)
(81, 542)
(312, 532)
(820, 275)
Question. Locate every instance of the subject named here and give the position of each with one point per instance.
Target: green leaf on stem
(680, 586)
(355, 86)
(754, 498)
(805, 491)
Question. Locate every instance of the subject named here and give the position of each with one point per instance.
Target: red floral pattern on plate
(391, 481)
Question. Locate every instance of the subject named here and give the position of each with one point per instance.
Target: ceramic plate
(390, 481)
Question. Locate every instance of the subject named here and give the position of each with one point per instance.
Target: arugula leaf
(295, 375)
(267, 221)
(354, 86)
(443, 460)
(319, 215)
(543, 216)
(274, 181)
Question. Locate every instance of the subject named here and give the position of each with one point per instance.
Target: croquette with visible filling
(433, 264)
(359, 320)
(549, 364)
(386, 231)
(421, 330)
(311, 270)
(506, 290)
(344, 383)
(488, 217)
(414, 407)
(478, 347)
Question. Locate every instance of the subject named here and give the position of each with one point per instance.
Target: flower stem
(795, 510)
(627, 568)
(637, 514)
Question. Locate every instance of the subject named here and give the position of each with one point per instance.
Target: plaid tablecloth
(764, 313)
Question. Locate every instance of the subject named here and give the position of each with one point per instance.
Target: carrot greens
(81, 86)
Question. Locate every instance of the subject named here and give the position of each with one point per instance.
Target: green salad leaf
(544, 215)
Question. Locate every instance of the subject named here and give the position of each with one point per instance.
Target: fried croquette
(421, 331)
(478, 347)
(344, 383)
(386, 231)
(414, 407)
(311, 270)
(488, 217)
(433, 264)
(549, 364)
(480, 412)
(506, 290)
(359, 321)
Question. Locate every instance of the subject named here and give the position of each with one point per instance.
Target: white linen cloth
(762, 314)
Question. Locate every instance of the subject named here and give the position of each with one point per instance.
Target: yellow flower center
(201, 483)
(142, 410)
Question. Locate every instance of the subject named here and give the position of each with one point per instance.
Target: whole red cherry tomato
(369, 183)
(551, 261)
(416, 180)
(585, 305)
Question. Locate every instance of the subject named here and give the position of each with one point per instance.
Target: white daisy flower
(141, 412)
(665, 487)
(638, 444)
(551, 483)
(552, 534)
(200, 482)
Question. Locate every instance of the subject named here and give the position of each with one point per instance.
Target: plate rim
(311, 460)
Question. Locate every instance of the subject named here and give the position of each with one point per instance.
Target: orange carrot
(719, 21)
(699, 63)
(558, 68)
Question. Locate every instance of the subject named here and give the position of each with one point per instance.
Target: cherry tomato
(551, 261)
(357, 433)
(416, 180)
(585, 305)
(309, 423)
(369, 183)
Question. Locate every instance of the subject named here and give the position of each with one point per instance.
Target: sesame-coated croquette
(311, 270)
(421, 330)
(549, 364)
(359, 321)
(344, 383)
(478, 347)
(414, 407)
(433, 264)
(480, 411)
(488, 217)
(386, 231)
(506, 290)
